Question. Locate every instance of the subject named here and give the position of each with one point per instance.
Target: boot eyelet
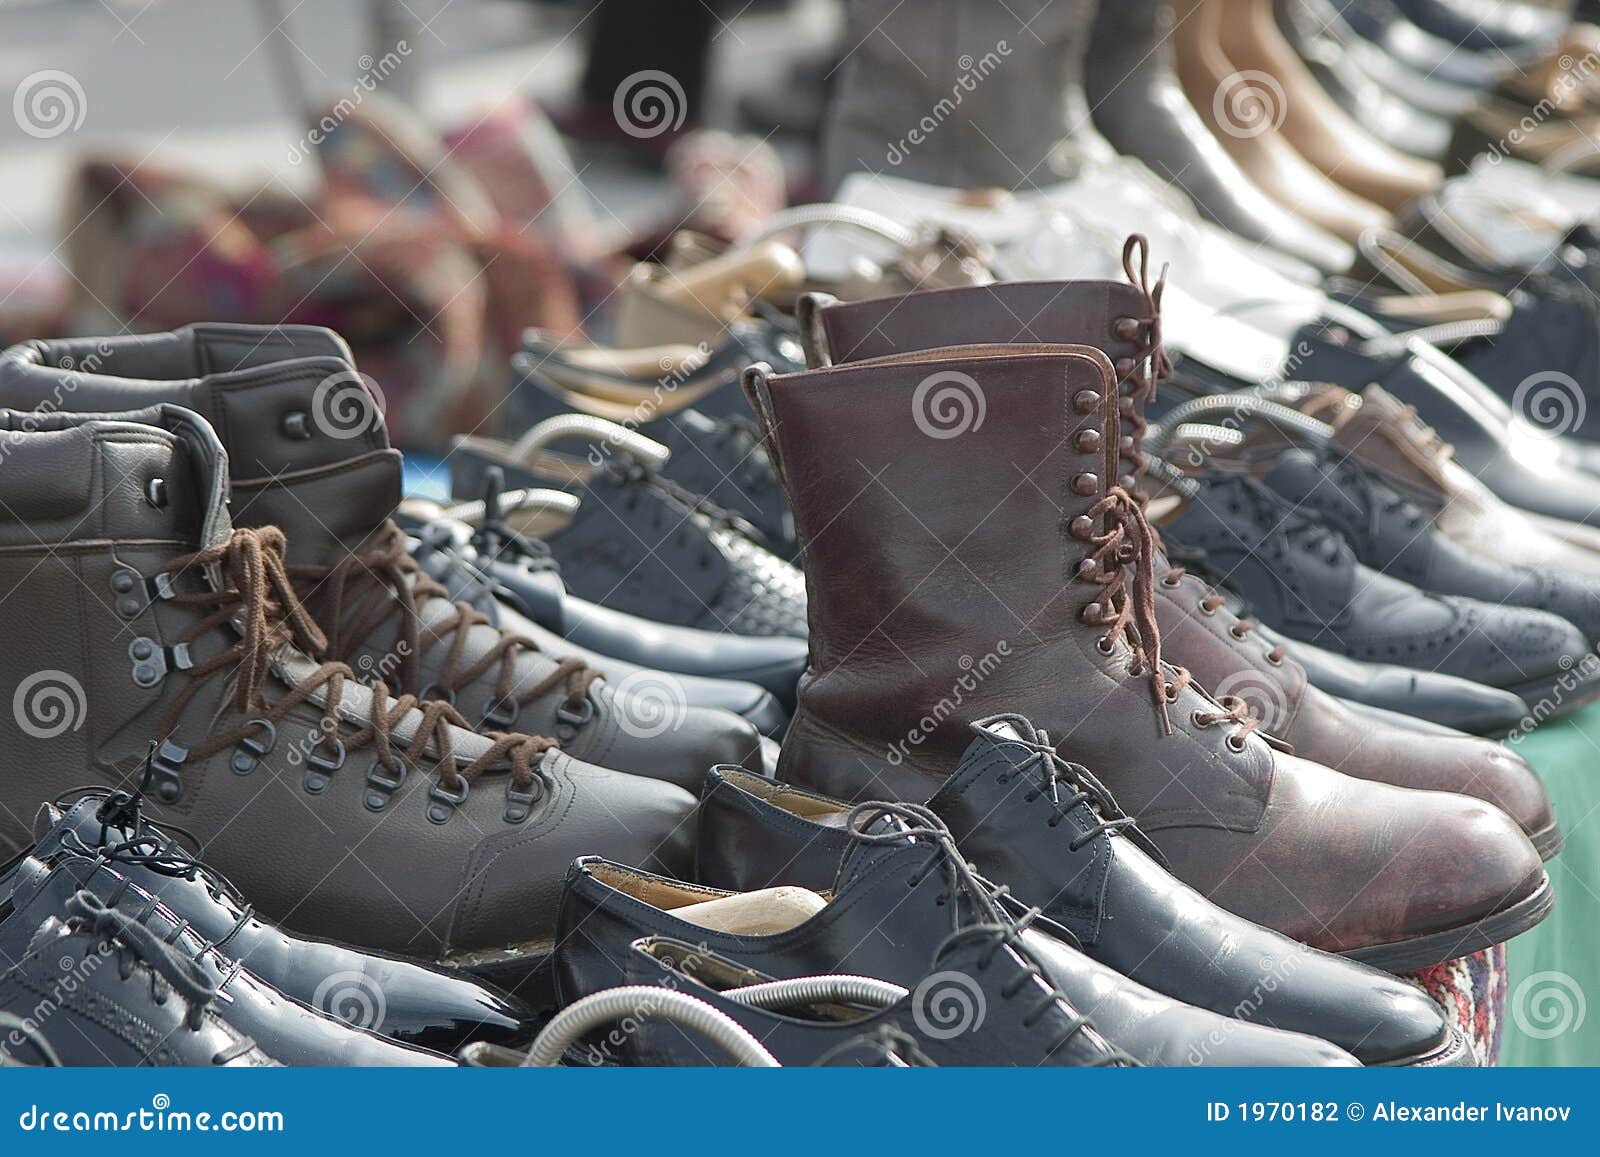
(381, 787)
(1125, 329)
(1169, 692)
(1199, 719)
(1236, 744)
(444, 802)
(501, 715)
(519, 804)
(1236, 632)
(295, 427)
(433, 691)
(1207, 609)
(155, 493)
(252, 748)
(1105, 646)
(1168, 581)
(1275, 660)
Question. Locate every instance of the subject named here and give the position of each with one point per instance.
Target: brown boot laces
(1150, 366)
(258, 598)
(372, 585)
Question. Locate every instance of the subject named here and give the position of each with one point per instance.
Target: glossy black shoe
(1049, 832)
(396, 999)
(641, 544)
(1389, 534)
(716, 668)
(1529, 468)
(287, 1030)
(1295, 574)
(114, 993)
(987, 1006)
(895, 901)
(1446, 700)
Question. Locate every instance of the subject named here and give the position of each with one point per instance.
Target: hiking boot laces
(257, 597)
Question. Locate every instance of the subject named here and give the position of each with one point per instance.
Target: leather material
(1389, 534)
(116, 1014)
(888, 917)
(1308, 119)
(394, 998)
(1533, 473)
(883, 587)
(483, 878)
(1386, 436)
(289, 1032)
(1122, 908)
(1029, 1029)
(1408, 695)
(638, 545)
(1242, 114)
(713, 453)
(1306, 581)
(1141, 109)
(1198, 629)
(734, 670)
(309, 454)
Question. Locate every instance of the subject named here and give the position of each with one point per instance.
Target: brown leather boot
(1199, 632)
(310, 455)
(136, 612)
(967, 552)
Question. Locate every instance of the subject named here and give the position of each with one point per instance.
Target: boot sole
(1548, 842)
(1455, 1053)
(1437, 947)
(525, 971)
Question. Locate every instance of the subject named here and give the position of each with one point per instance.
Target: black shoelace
(977, 911)
(137, 947)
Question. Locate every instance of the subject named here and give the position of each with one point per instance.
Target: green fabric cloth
(1555, 969)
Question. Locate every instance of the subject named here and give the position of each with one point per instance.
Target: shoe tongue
(352, 501)
(863, 859)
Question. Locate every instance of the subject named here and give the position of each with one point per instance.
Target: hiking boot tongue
(352, 501)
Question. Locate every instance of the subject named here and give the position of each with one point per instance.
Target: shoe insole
(761, 913)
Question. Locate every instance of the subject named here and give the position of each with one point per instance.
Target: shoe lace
(257, 597)
(1151, 364)
(982, 919)
(1081, 787)
(667, 496)
(170, 971)
(1122, 564)
(380, 582)
(1376, 499)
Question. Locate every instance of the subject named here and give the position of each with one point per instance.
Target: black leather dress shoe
(1426, 696)
(1389, 534)
(1040, 826)
(642, 544)
(1532, 470)
(396, 999)
(118, 995)
(288, 1031)
(1302, 578)
(988, 1006)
